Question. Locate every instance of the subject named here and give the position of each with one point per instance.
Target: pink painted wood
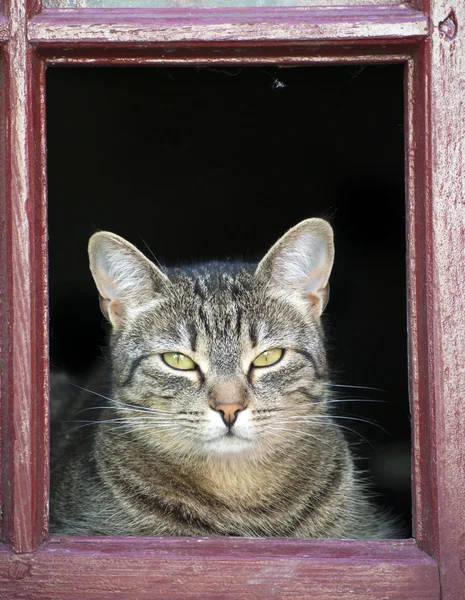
(4, 30)
(257, 36)
(77, 568)
(231, 56)
(24, 373)
(436, 216)
(193, 5)
(220, 568)
(316, 24)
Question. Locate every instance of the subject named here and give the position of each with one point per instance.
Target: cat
(212, 414)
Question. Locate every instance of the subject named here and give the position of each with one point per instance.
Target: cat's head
(220, 359)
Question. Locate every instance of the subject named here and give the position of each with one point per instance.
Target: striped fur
(148, 455)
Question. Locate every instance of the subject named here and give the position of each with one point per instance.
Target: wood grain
(199, 4)
(24, 284)
(221, 568)
(437, 230)
(317, 24)
(230, 55)
(191, 568)
(4, 29)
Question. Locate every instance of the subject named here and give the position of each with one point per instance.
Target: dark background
(201, 163)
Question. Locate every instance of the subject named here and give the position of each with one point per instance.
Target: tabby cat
(212, 413)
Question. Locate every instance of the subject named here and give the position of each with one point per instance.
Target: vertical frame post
(436, 226)
(24, 351)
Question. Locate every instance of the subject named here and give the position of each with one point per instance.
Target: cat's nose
(229, 412)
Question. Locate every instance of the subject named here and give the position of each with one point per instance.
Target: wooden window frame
(427, 36)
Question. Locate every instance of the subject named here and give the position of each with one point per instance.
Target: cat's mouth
(229, 441)
(231, 434)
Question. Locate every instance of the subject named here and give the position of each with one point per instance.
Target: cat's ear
(298, 266)
(125, 278)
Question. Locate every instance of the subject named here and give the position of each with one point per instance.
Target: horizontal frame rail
(332, 25)
(220, 567)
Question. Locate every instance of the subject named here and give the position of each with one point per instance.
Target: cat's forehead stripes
(214, 304)
(193, 336)
(202, 310)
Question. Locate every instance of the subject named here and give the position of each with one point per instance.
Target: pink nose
(229, 412)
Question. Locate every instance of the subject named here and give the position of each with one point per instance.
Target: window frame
(423, 35)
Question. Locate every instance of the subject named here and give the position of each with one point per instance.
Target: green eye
(179, 361)
(269, 357)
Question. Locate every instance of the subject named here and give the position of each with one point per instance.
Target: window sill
(230, 567)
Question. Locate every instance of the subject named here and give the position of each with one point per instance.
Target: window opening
(202, 163)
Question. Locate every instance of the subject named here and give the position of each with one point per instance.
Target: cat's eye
(269, 357)
(176, 360)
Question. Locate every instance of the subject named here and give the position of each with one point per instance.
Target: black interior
(200, 163)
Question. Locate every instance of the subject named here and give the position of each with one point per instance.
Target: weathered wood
(24, 284)
(196, 4)
(436, 231)
(419, 298)
(4, 29)
(317, 24)
(227, 56)
(437, 222)
(221, 568)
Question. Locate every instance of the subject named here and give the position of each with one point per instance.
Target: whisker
(354, 387)
(145, 426)
(341, 400)
(85, 424)
(118, 403)
(112, 400)
(328, 423)
(312, 405)
(329, 418)
(355, 433)
(129, 408)
(297, 433)
(154, 421)
(91, 392)
(155, 259)
(123, 405)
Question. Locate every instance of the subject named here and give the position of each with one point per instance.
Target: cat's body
(212, 411)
